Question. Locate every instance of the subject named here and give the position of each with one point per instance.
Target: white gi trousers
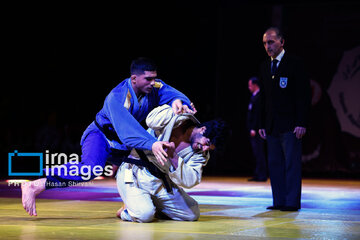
(145, 194)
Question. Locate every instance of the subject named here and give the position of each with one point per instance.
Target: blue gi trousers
(284, 157)
(95, 152)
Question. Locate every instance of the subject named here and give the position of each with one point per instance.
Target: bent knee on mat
(144, 216)
(192, 214)
(192, 217)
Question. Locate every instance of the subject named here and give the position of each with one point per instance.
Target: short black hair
(217, 131)
(142, 64)
(255, 80)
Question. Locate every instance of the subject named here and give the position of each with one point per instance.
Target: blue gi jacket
(122, 113)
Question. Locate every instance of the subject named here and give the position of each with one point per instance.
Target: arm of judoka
(168, 94)
(189, 174)
(179, 108)
(129, 130)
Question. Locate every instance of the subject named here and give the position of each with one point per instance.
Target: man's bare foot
(118, 213)
(29, 191)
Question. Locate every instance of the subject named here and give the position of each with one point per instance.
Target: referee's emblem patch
(283, 82)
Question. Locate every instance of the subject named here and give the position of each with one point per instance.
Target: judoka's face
(199, 143)
(143, 83)
(273, 44)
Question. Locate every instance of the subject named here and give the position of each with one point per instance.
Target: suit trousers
(258, 148)
(284, 158)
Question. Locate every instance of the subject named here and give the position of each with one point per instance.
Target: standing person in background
(253, 122)
(285, 101)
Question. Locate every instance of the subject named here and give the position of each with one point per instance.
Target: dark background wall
(62, 61)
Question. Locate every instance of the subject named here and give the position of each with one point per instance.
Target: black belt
(144, 161)
(155, 171)
(106, 130)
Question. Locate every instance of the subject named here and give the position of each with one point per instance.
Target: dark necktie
(274, 67)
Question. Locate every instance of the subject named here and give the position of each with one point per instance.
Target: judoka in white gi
(143, 194)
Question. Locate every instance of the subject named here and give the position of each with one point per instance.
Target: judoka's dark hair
(217, 131)
(142, 64)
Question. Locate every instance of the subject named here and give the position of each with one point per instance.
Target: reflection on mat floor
(231, 208)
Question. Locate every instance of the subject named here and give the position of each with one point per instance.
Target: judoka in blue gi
(117, 128)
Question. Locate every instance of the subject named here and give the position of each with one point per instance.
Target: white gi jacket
(161, 122)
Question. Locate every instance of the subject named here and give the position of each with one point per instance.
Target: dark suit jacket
(285, 100)
(253, 114)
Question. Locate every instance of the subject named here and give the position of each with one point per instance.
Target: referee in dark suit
(285, 101)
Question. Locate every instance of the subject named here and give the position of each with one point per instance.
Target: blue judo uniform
(120, 117)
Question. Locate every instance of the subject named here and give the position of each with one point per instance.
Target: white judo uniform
(144, 194)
